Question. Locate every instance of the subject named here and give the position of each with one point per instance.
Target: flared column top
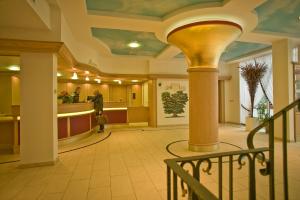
(204, 42)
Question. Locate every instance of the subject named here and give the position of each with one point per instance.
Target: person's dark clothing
(98, 106)
(75, 97)
(98, 103)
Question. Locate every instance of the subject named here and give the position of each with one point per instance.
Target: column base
(203, 148)
(40, 164)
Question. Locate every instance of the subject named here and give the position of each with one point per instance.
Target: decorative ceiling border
(16, 47)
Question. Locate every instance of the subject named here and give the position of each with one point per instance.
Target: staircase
(188, 172)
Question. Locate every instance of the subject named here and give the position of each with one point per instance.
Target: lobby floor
(128, 165)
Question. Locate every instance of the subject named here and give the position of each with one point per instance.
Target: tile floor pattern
(129, 166)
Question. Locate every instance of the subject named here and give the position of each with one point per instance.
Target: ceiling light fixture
(120, 82)
(14, 68)
(116, 80)
(134, 81)
(134, 44)
(87, 78)
(58, 74)
(74, 77)
(97, 80)
(86, 72)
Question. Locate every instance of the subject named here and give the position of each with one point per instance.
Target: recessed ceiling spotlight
(74, 77)
(134, 44)
(86, 72)
(87, 78)
(14, 68)
(58, 74)
(134, 81)
(97, 80)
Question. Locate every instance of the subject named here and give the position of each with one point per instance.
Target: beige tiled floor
(129, 166)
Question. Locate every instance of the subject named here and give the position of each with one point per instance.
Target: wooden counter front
(74, 119)
(116, 115)
(137, 114)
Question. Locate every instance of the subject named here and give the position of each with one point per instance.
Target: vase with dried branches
(253, 73)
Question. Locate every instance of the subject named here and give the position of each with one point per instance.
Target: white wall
(178, 66)
(232, 93)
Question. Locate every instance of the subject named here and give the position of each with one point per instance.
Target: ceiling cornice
(16, 47)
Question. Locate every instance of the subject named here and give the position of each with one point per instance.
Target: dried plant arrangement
(253, 73)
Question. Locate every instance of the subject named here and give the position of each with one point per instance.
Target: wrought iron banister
(270, 162)
(266, 122)
(194, 185)
(219, 154)
(196, 190)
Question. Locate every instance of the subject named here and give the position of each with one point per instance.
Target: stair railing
(270, 162)
(188, 169)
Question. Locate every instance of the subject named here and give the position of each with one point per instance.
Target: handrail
(266, 122)
(193, 180)
(270, 162)
(199, 191)
(195, 185)
(220, 154)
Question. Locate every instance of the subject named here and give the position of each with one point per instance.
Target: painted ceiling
(276, 17)
(239, 49)
(118, 40)
(279, 17)
(152, 8)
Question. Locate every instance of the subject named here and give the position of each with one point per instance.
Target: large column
(203, 99)
(203, 44)
(38, 109)
(283, 90)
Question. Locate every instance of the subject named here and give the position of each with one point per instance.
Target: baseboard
(235, 123)
(39, 164)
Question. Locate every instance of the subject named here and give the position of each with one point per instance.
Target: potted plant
(263, 112)
(252, 73)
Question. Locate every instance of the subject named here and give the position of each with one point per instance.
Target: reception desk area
(74, 121)
(124, 103)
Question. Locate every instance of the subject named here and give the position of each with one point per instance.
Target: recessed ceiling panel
(118, 41)
(238, 49)
(152, 8)
(279, 16)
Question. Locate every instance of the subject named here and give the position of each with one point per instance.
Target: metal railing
(187, 170)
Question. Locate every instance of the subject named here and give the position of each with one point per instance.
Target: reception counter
(126, 114)
(74, 121)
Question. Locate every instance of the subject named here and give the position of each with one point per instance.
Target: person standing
(98, 106)
(75, 95)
